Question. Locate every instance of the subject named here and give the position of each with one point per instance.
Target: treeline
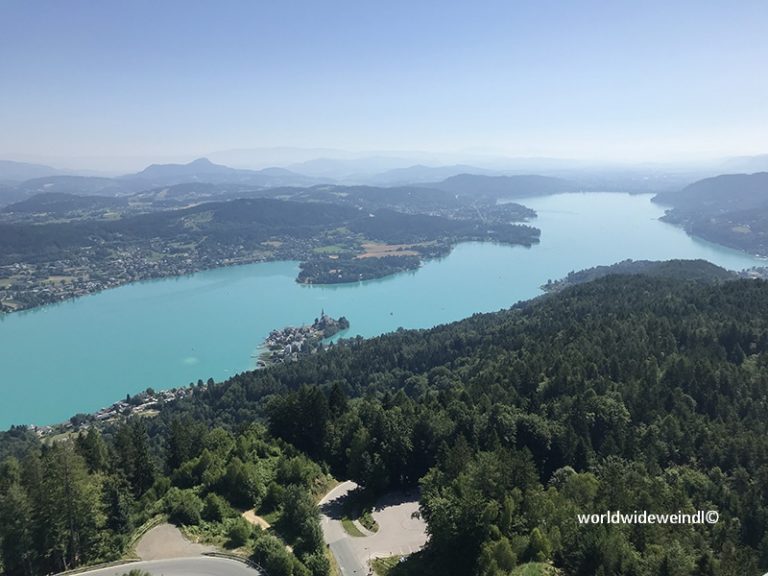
(691, 270)
(398, 228)
(628, 393)
(79, 501)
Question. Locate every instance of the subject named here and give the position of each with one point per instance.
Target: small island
(290, 343)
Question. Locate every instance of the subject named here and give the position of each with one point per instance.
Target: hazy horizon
(93, 86)
(371, 162)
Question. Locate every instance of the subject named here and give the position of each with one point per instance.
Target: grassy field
(333, 249)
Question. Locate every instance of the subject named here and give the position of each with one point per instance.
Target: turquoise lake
(85, 354)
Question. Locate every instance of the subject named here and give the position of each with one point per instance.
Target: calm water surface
(82, 355)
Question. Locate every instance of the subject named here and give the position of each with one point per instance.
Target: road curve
(401, 532)
(196, 566)
(335, 536)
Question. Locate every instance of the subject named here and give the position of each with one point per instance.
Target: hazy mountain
(419, 174)
(276, 176)
(355, 170)
(258, 158)
(158, 176)
(504, 186)
(726, 193)
(203, 170)
(332, 162)
(731, 210)
(20, 171)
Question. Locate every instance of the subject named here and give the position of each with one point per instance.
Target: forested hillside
(44, 263)
(627, 393)
(731, 210)
(80, 501)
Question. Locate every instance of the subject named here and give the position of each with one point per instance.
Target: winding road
(400, 533)
(195, 566)
(165, 552)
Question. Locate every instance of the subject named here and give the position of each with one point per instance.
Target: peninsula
(292, 342)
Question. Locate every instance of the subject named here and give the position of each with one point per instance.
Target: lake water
(82, 355)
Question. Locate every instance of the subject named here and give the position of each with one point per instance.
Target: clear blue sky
(584, 79)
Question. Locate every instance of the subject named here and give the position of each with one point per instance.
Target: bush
(273, 498)
(183, 506)
(273, 557)
(238, 532)
(318, 564)
(216, 509)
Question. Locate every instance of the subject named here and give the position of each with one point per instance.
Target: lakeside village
(27, 285)
(292, 342)
(146, 403)
(284, 345)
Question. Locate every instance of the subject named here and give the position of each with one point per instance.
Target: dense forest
(80, 501)
(699, 270)
(625, 393)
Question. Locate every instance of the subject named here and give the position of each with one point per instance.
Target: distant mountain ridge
(518, 186)
(11, 171)
(419, 174)
(203, 170)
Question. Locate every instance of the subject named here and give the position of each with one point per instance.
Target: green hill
(731, 210)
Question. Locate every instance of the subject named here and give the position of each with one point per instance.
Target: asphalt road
(196, 566)
(399, 533)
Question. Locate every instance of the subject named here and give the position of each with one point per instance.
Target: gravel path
(250, 516)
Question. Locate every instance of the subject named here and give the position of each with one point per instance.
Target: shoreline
(248, 262)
